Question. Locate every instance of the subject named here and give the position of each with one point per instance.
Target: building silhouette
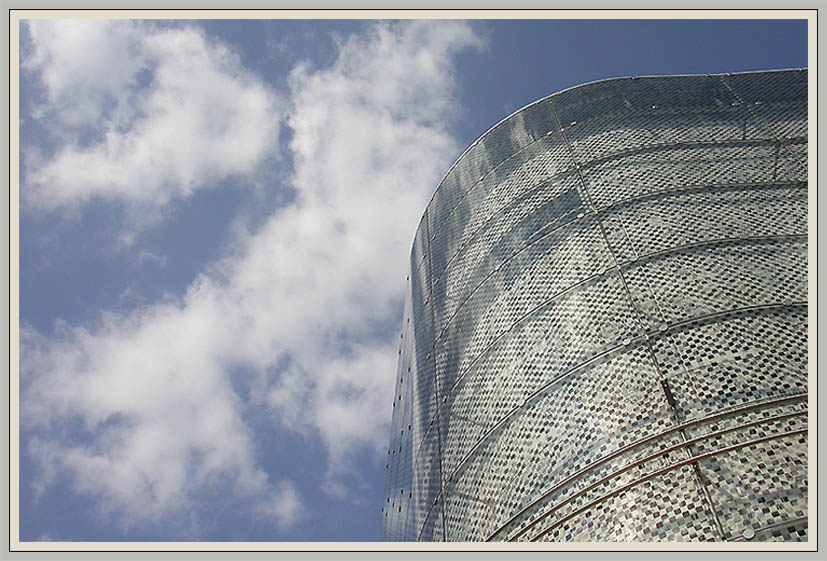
(605, 332)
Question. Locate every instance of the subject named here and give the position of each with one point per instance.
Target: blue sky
(215, 221)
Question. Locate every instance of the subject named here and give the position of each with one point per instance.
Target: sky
(215, 224)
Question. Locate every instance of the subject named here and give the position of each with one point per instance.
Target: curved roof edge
(585, 84)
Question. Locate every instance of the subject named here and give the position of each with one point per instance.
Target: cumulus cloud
(141, 114)
(369, 145)
(300, 306)
(158, 421)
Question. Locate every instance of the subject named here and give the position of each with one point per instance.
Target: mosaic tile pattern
(605, 333)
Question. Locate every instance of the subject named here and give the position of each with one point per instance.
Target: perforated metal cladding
(605, 335)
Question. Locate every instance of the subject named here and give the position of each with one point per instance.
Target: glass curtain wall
(605, 331)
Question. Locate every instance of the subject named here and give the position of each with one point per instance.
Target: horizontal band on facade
(567, 219)
(640, 462)
(546, 99)
(665, 470)
(633, 339)
(743, 240)
(764, 404)
(619, 156)
(608, 355)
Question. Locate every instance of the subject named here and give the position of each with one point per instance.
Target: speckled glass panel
(605, 336)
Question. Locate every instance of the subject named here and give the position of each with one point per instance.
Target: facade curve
(605, 335)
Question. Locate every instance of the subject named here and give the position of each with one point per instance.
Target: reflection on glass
(605, 333)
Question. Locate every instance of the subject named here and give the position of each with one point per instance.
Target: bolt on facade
(605, 335)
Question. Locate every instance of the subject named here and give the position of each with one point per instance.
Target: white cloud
(84, 65)
(302, 305)
(167, 113)
(161, 423)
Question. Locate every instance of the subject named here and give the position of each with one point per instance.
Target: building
(605, 332)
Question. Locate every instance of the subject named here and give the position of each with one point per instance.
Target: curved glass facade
(605, 331)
